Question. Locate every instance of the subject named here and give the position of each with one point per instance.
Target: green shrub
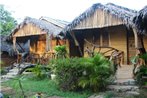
(144, 56)
(142, 71)
(83, 73)
(3, 71)
(61, 51)
(39, 72)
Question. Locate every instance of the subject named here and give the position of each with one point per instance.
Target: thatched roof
(48, 27)
(6, 46)
(123, 13)
(57, 22)
(140, 21)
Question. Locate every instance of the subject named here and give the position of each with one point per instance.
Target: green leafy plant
(61, 51)
(3, 71)
(81, 73)
(141, 70)
(7, 22)
(39, 71)
(97, 73)
(144, 57)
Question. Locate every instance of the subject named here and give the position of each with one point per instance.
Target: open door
(76, 51)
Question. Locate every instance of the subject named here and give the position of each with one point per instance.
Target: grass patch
(46, 87)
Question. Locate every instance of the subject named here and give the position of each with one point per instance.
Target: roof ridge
(54, 21)
(121, 7)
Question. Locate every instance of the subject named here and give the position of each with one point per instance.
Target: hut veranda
(40, 34)
(107, 25)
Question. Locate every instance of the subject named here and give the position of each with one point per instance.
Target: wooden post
(127, 42)
(19, 57)
(138, 39)
(48, 42)
(139, 44)
(14, 45)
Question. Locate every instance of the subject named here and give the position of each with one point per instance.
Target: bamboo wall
(118, 40)
(99, 19)
(39, 46)
(97, 42)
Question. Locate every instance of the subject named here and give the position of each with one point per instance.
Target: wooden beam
(20, 47)
(76, 43)
(75, 40)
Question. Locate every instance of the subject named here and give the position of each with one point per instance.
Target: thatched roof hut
(140, 21)
(39, 33)
(105, 26)
(48, 27)
(122, 13)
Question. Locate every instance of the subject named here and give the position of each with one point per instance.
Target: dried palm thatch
(48, 27)
(6, 46)
(140, 21)
(123, 13)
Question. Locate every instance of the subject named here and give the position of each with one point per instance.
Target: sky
(65, 10)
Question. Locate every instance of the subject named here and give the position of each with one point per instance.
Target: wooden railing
(36, 58)
(117, 56)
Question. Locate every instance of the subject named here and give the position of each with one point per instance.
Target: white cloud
(61, 9)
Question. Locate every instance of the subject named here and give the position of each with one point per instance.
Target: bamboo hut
(106, 26)
(39, 33)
